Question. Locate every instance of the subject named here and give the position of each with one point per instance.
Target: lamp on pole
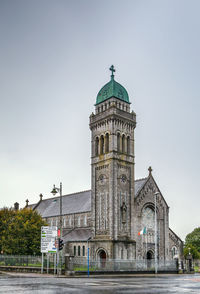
(156, 264)
(54, 191)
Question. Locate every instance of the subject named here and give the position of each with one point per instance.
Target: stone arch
(150, 254)
(152, 206)
(102, 256)
(174, 252)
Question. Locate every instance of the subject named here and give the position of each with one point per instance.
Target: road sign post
(48, 241)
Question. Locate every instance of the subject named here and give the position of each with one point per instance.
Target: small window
(74, 250)
(85, 220)
(118, 142)
(102, 144)
(79, 221)
(128, 145)
(70, 221)
(79, 250)
(107, 143)
(83, 250)
(123, 143)
(97, 146)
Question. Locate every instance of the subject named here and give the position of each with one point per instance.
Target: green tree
(20, 231)
(192, 241)
(194, 238)
(192, 250)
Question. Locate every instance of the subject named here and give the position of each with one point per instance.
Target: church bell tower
(112, 162)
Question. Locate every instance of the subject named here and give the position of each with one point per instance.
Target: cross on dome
(112, 70)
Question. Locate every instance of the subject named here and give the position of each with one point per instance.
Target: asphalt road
(132, 284)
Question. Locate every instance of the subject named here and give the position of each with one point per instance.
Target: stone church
(110, 216)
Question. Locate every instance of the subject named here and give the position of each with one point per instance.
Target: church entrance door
(102, 257)
(149, 259)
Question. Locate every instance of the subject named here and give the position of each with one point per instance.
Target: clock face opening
(123, 179)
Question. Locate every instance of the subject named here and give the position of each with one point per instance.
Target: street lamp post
(54, 191)
(156, 264)
(88, 257)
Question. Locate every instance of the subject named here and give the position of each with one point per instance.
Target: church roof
(139, 184)
(72, 203)
(78, 234)
(112, 89)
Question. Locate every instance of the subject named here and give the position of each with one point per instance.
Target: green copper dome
(112, 89)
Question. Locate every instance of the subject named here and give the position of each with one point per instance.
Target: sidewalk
(106, 276)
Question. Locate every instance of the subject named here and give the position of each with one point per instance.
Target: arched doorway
(150, 257)
(102, 258)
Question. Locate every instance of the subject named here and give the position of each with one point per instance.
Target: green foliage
(192, 241)
(192, 250)
(20, 231)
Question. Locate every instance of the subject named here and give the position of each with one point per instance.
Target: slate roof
(139, 184)
(78, 234)
(72, 203)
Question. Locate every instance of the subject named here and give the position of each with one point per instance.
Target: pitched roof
(139, 184)
(78, 234)
(72, 203)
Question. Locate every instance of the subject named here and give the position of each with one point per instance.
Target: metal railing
(122, 265)
(26, 260)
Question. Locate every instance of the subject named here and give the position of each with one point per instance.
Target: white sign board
(48, 237)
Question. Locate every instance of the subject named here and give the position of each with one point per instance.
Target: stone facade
(109, 217)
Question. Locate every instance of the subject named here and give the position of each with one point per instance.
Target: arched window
(83, 250)
(85, 220)
(79, 250)
(118, 142)
(107, 143)
(105, 106)
(101, 108)
(123, 143)
(119, 105)
(102, 144)
(128, 145)
(174, 252)
(97, 146)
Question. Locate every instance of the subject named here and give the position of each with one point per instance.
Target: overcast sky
(55, 57)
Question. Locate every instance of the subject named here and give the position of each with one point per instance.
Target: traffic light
(60, 244)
